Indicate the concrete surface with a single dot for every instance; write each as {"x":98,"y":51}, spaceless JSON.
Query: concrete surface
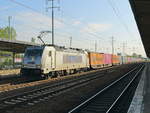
{"x":137,"y":102}
{"x":141,"y":99}
{"x":146,"y":101}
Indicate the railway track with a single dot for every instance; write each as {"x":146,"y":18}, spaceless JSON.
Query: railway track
{"x":44,"y":93}
{"x":18,"y":82}
{"x":110,"y":99}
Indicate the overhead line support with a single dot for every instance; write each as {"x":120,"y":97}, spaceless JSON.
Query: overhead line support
{"x":52,"y":9}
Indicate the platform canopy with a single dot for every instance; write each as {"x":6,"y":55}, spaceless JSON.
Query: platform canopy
{"x":141,"y":10}
{"x":15,"y":45}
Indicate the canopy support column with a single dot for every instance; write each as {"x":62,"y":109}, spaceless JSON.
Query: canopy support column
{"x":13,"y":59}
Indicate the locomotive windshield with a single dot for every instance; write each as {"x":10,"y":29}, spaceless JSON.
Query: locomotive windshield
{"x":33,"y":55}
{"x":34,"y":52}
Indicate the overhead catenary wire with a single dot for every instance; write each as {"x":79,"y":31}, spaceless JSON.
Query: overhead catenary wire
{"x":93,"y":33}
{"x":28,"y":7}
{"x":116,"y":12}
{"x":118,"y":15}
{"x":126,"y":24}
{"x":23,"y":5}
{"x":87,"y":33}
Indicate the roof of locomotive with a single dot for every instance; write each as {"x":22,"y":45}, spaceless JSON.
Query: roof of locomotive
{"x":63,"y":48}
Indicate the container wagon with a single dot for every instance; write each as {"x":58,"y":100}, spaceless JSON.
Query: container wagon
{"x":115,"y":60}
{"x":107,"y":60}
{"x":96,"y":60}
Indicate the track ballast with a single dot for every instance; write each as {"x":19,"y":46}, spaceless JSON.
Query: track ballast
{"x":109,"y":99}
{"x":42,"y":94}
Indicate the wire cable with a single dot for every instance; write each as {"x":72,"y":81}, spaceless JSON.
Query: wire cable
{"x":23,"y":5}
{"x":119,"y":17}
{"x":28,"y":7}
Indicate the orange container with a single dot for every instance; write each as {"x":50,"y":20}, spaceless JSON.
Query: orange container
{"x":96,"y":60}
{"x":115,"y":59}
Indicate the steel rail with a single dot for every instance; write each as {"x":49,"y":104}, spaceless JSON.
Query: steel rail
{"x":82,"y":105}
{"x":124,"y":90}
{"x":30,"y":96}
{"x":8,"y":86}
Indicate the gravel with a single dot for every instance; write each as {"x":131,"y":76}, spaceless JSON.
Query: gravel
{"x":68,"y":100}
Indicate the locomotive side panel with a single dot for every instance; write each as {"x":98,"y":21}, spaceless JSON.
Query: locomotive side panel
{"x":58,"y":60}
{"x":48,"y":60}
{"x":69,"y":60}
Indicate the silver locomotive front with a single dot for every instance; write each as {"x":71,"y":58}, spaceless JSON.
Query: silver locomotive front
{"x":31,"y":64}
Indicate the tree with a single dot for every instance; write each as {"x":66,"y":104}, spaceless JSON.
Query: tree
{"x":4,"y":33}
{"x":140,"y":56}
{"x":9,"y":34}
{"x":136,"y":55}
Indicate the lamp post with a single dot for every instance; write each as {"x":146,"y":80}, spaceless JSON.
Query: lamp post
{"x":9,"y":29}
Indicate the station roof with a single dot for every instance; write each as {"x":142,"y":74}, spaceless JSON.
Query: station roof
{"x":15,"y":45}
{"x":141,"y":10}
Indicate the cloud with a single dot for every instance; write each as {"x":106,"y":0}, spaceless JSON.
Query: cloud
{"x":96,"y":27}
{"x":29,"y":24}
{"x":2,"y":8}
{"x":36,"y":20}
{"x":75,"y":23}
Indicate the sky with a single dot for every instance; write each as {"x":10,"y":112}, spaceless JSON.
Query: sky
{"x":88,"y":22}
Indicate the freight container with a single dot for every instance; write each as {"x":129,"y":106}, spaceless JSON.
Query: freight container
{"x":96,"y":60}
{"x":129,"y":59}
{"x":107,"y":59}
{"x":124,"y":59}
{"x":115,"y":60}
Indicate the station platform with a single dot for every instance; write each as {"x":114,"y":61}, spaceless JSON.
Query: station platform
{"x":141,"y":99}
{"x":9,"y":73}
